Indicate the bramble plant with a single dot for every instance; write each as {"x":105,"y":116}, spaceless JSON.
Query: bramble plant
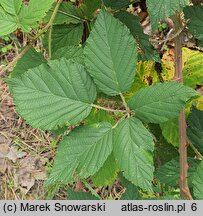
{"x":92,"y":91}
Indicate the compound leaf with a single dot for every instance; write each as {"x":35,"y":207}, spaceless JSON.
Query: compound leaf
{"x":161,"y":102}
{"x":194,"y":14}
{"x":82,"y":153}
{"x":29,"y":60}
{"x":47,"y":96}
{"x":111,"y":55}
{"x":161,"y":9}
{"x":133,"y":146}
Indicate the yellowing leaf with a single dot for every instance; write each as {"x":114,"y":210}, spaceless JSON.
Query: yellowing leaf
{"x":200,"y":103}
{"x":146,"y":75}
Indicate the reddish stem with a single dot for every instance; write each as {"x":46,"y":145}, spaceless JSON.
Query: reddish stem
{"x":183,"y":181}
{"x":79,"y":185}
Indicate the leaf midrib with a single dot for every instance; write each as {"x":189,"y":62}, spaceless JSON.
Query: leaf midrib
{"x":59,"y":96}
{"x":110,"y":51}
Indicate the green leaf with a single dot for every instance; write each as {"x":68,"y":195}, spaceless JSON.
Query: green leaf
{"x":161,"y":102}
{"x":82,"y":153}
{"x":72,"y":195}
{"x":168,"y":197}
{"x":169,"y":173}
{"x":195,"y":24}
{"x":131,"y":191}
{"x":116,"y":4}
{"x":107,"y":174}
{"x":23,"y":17}
{"x":164,"y":151}
{"x":89,"y":7}
{"x":66,"y":14}
{"x":64,"y":35}
{"x":147,"y":51}
{"x":99,"y":116}
{"x":29,"y":60}
{"x":195,"y":119}
{"x":160,"y":9}
{"x":70,"y":52}
{"x":111,"y":55}
{"x":34,"y":12}
{"x":11,"y":6}
{"x":133,"y":147}
{"x":192,"y":71}
{"x":195,"y":128}
{"x":170,"y":131}
{"x":47,"y":96}
{"x":7,"y":23}
{"x":198,"y":182}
